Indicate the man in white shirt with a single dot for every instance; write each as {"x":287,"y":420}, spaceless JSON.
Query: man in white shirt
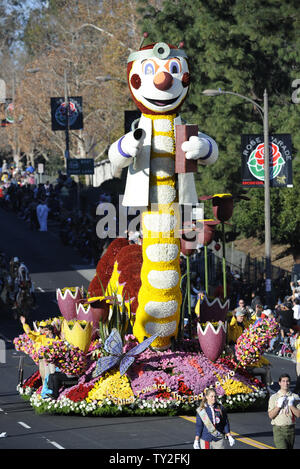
{"x":296,"y":309}
{"x":283,"y":410}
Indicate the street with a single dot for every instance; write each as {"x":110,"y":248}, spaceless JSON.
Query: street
{"x":53,"y":265}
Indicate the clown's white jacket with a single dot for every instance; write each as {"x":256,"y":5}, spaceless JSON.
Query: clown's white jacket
{"x":137,"y":183}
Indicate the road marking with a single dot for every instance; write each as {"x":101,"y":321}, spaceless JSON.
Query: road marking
{"x":39,"y":288}
{"x":55,"y":444}
{"x":24,"y":425}
{"x":245,"y":440}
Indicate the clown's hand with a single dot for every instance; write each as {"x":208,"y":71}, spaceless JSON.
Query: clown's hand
{"x":131,"y":144}
{"x":200,"y":148}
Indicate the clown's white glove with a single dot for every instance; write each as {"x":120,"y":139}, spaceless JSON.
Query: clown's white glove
{"x":200,"y":148}
{"x":231,"y":440}
{"x":195,"y":147}
{"x":196,"y":444}
{"x":130,"y":145}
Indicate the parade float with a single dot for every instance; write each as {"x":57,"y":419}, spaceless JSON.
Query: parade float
{"x":131,"y":341}
{"x":115,"y":374}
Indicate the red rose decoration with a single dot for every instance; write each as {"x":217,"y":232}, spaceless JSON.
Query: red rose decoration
{"x":259,"y":154}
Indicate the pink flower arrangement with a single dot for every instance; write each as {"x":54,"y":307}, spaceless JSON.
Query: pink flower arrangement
{"x":69,"y":359}
{"x":188,"y":373}
{"x":255,"y":340}
{"x":22,"y":343}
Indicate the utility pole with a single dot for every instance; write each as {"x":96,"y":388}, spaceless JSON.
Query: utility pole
{"x":264,"y":113}
{"x":268,"y":267}
{"x":16,"y":151}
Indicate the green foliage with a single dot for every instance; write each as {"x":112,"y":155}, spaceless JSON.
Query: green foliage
{"x":244,"y":47}
{"x":118,"y":318}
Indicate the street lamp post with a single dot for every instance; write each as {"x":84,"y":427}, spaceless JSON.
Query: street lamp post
{"x":67,"y":151}
{"x":264,"y":113}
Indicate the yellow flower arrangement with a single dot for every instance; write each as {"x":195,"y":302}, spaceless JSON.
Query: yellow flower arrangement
{"x":159,"y":297}
{"x":232,"y":386}
{"x":112,"y":386}
{"x":160,"y":277}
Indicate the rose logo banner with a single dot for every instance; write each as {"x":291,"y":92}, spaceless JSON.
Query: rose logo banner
{"x":59,"y":113}
{"x":280,"y":160}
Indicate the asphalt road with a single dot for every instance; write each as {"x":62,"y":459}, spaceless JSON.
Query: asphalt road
{"x":52,"y":266}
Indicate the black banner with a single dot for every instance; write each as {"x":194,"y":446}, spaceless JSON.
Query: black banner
{"x":280,"y":160}
{"x":59,"y":113}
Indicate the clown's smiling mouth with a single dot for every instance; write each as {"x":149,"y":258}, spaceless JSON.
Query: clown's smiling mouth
{"x":160,"y":102}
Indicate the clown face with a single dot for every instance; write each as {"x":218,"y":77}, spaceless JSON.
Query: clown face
{"x":158,"y":81}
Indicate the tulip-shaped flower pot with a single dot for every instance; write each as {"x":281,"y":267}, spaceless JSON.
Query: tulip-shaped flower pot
{"x":212,"y":339}
{"x":78,"y":333}
{"x":188,"y":241}
{"x":93,"y":312}
{"x":67,"y":299}
{"x":84,"y":312}
{"x":100,"y":310}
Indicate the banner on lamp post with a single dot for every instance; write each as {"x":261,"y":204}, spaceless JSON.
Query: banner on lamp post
{"x":80,"y":166}
{"x":280,"y":160}
{"x":59,"y":113}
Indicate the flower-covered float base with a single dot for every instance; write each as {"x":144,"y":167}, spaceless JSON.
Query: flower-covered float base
{"x":168,"y":383}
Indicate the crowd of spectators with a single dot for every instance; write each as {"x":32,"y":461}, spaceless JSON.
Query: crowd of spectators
{"x":69,"y":212}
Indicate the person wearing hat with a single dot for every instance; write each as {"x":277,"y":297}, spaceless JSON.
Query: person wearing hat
{"x":266,"y":312}
{"x":237,"y":325}
{"x":45,"y":336}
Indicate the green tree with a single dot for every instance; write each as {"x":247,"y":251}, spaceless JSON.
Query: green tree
{"x":244,"y":47}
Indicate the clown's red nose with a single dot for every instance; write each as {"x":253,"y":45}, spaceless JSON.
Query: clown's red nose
{"x":163,"y":81}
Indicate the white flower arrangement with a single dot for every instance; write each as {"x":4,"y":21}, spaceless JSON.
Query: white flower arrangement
{"x":163,"y":194}
{"x":163,"y":279}
{"x":162,"y":252}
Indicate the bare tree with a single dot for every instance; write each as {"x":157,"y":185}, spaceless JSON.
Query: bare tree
{"x":93,"y":57}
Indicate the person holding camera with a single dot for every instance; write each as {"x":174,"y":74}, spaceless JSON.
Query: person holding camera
{"x":283,"y":410}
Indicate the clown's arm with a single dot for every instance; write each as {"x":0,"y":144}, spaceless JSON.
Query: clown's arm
{"x":122,"y":152}
{"x":202,"y":148}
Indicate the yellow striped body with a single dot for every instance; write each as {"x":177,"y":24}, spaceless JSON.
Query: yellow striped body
{"x":160,"y":296}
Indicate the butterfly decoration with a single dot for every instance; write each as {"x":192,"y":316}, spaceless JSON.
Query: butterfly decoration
{"x":114,"y":346}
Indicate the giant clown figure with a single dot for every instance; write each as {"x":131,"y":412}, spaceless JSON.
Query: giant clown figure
{"x":158,"y":79}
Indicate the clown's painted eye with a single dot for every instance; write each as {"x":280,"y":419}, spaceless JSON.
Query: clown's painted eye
{"x":148,"y":68}
{"x":174,"y":66}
